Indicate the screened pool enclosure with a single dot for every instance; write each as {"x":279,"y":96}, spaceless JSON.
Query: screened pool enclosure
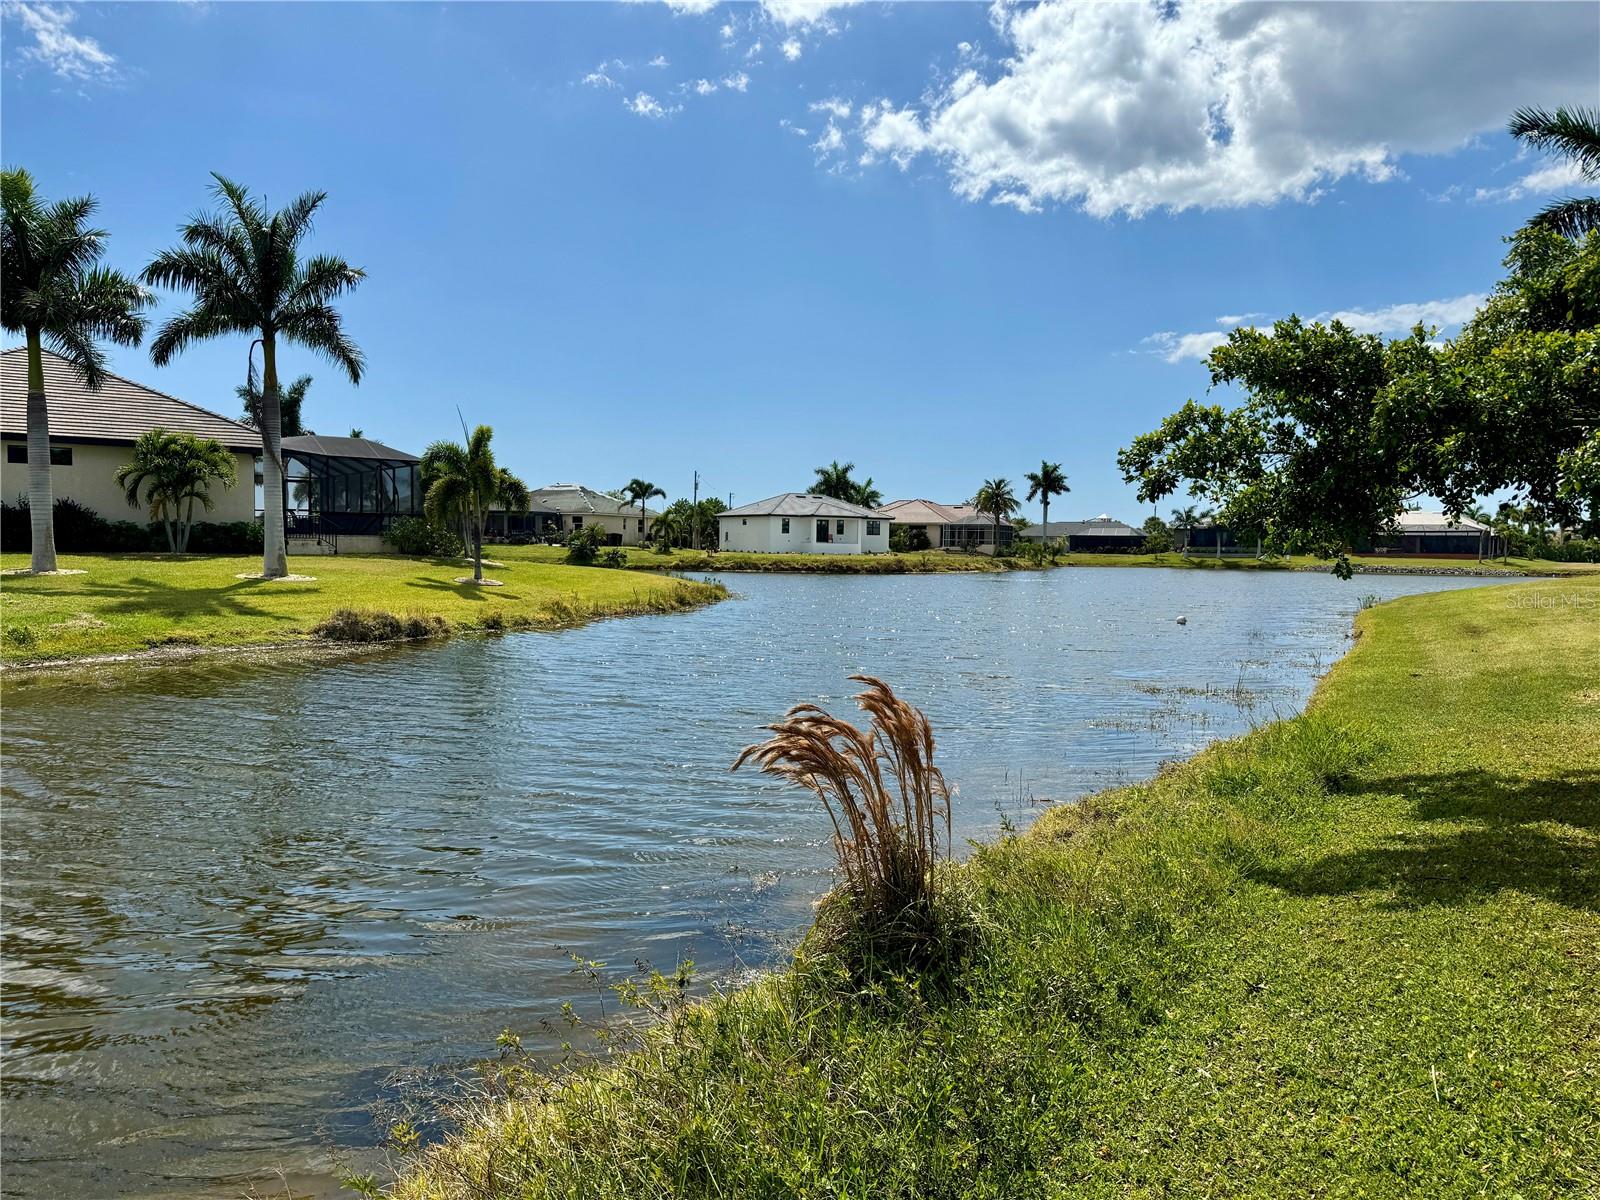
{"x":343,"y":485}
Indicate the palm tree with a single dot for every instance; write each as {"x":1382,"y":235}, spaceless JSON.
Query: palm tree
{"x":638,"y":491}
{"x":53,"y":292}
{"x":244,"y":268}
{"x":1186,"y":518}
{"x":1044,"y":483}
{"x":173,"y":470}
{"x":291,"y":401}
{"x":466,"y":482}
{"x":1573,"y":133}
{"x":834,"y":480}
{"x":866,"y":495}
{"x":997,"y":499}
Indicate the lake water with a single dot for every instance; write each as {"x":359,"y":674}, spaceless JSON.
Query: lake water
{"x":247,"y":906}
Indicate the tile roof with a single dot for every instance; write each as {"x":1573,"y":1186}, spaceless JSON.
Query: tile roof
{"x":119,"y":412}
{"x":803,"y":504}
{"x":575,"y":498}
{"x":930,"y":512}
{"x":1437,"y":522}
{"x":1098,"y":527}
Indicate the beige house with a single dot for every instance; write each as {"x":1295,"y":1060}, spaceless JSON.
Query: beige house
{"x":92,"y":434}
{"x":800,"y":523}
{"x":569,"y":507}
{"x":949,"y":526}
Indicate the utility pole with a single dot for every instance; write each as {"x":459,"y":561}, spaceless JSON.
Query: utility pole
{"x":694,"y":512}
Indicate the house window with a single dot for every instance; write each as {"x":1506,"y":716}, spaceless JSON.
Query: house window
{"x":872,"y":528}
{"x":724,"y":535}
{"x":577,"y":522}
{"x":60,"y":456}
{"x":786,"y":524}
{"x":641,"y":524}
{"x":744,"y":520}
{"x":839,"y":528}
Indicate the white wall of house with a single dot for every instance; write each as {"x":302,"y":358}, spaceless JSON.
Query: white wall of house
{"x":767,"y":535}
{"x":91,"y":481}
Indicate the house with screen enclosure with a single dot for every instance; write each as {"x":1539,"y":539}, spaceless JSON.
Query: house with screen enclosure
{"x":1102,"y":533}
{"x":949,"y":526}
{"x":800,"y":523}
{"x":92,"y":433}
{"x":565,"y":508}
{"x":341,"y":494}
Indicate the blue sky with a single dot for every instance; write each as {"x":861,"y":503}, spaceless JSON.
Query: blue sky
{"x":940,"y":241}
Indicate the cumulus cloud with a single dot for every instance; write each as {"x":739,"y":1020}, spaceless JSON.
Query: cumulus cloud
{"x":834,"y":106}
{"x":1125,"y":108}
{"x":690,"y":7}
{"x":646,"y":105}
{"x":738,"y":81}
{"x":802,"y":14}
{"x":1553,"y":177}
{"x":1393,"y":321}
{"x":659,"y":60}
{"x":67,"y":54}
{"x":703,"y":87}
{"x":791,"y":49}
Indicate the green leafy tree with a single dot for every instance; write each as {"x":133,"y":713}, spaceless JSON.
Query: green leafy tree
{"x":243,"y":266}
{"x":290,"y":403}
{"x":835,"y":480}
{"x":465,"y":482}
{"x":640,"y":491}
{"x":908,"y":538}
{"x":54,"y":292}
{"x":997,"y":499}
{"x":1045,"y":484}
{"x":168,"y":473}
{"x":1157,"y":536}
{"x":1573,"y":133}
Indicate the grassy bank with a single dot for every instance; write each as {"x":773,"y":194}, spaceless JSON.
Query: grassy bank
{"x":131,"y":603}
{"x":932,"y":562}
{"x":1353,"y":954}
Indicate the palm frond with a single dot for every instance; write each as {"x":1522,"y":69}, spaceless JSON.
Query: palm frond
{"x":1572,"y":217}
{"x":1573,"y":133}
{"x":320,"y":328}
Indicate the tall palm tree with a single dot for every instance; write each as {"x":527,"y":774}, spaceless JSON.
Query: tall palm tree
{"x":466,"y":483}
{"x":834,"y":480}
{"x":53,"y":292}
{"x":866,"y":495}
{"x":996,"y":499}
{"x":1186,"y":518}
{"x":1044,"y":483}
{"x":1573,"y":133}
{"x":243,"y":265}
{"x":290,"y":403}
{"x":639,"y":491}
{"x":173,"y":470}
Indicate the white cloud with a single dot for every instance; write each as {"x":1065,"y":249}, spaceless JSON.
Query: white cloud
{"x":831,"y":141}
{"x":834,"y":106}
{"x":690,"y":7}
{"x":738,"y":81}
{"x":599,"y":78}
{"x":68,"y":54}
{"x":1125,"y":108}
{"x":1392,"y":321}
{"x":791,"y":49}
{"x":646,"y":105}
{"x":726,"y":32}
{"x":1553,"y":177}
{"x":802,"y":14}
{"x":755,"y":49}
{"x":659,"y":60}
{"x":703,"y":87}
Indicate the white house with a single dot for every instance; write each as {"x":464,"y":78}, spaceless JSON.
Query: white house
{"x":92,"y":434}
{"x":798,"y":523}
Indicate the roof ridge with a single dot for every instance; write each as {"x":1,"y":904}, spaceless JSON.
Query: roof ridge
{"x":145,"y":387}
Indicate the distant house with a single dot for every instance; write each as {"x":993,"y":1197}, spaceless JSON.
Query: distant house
{"x":1097,"y":533}
{"x":1435,"y":534}
{"x":341,"y":494}
{"x":798,"y":523}
{"x":92,"y":434}
{"x":949,"y":526}
{"x":567,"y":507}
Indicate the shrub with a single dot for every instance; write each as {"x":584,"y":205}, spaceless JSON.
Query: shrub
{"x":890,"y":808}
{"x":612,"y":556}
{"x":909,"y":538}
{"x":584,"y":545}
{"x":224,"y":537}
{"x":420,"y":536}
{"x":354,"y":625}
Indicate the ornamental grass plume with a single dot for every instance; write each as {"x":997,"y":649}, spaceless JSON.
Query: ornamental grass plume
{"x":890,"y":806}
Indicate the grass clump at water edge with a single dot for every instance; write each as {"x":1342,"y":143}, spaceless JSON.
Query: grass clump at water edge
{"x":1314,"y":960}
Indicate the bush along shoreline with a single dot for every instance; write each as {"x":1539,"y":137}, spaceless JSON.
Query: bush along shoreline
{"x":1353,"y":953}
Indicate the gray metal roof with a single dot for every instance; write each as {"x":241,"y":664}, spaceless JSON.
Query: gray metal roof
{"x":574,"y":498}
{"x":803,"y":504}
{"x":119,"y":412}
{"x":1097,"y":528}
{"x":1437,"y":522}
{"x":346,"y":447}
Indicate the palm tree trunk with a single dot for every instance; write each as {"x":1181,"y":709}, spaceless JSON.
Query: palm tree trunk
{"x":41,"y":500}
{"x":172,"y":541}
{"x":1044,"y":534}
{"x":477,"y":543}
{"x":184,"y":527}
{"x":274,"y":555}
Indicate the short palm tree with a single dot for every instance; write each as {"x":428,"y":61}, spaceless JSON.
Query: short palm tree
{"x":244,"y":268}
{"x":1044,"y":483}
{"x":290,"y":403}
{"x":53,"y":292}
{"x":834,"y":480}
{"x":1186,"y":518}
{"x":1575,"y":134}
{"x":997,"y":499}
{"x":172,"y":471}
{"x":466,"y":483}
{"x":866,"y":495}
{"x":639,"y":491}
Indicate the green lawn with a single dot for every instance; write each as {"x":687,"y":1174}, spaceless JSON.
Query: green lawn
{"x":138,"y":602}
{"x":935,"y":561}
{"x":1355,"y":954}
